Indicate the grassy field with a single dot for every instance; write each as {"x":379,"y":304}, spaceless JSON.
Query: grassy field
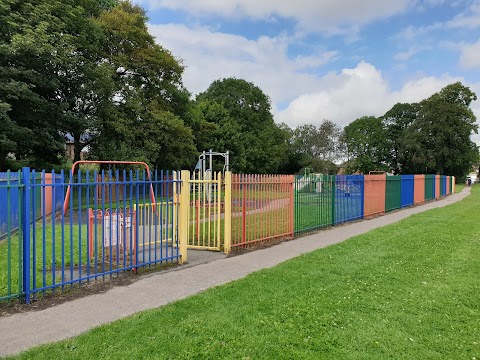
{"x":405,"y":291}
{"x":44,"y":255}
{"x":46,"y":250}
{"x":459,"y":187}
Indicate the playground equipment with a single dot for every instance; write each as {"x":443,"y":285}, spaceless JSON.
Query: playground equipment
{"x":119,"y":231}
{"x":309,"y":182}
{"x":202,"y":161}
{"x":110,"y":162}
{"x":204,"y":173}
{"x":113,"y":228}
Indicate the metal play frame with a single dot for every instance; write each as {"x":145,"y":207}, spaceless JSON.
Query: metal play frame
{"x":202,"y":161}
{"x":113,"y":162}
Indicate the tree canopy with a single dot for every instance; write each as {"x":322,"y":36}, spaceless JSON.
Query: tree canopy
{"x":244,"y":112}
{"x":366,"y":143}
{"x":89,"y":72}
{"x":432,"y":136}
{"x":439,"y":138}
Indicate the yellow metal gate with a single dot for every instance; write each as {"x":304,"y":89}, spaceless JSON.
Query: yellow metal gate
{"x":206,"y":228}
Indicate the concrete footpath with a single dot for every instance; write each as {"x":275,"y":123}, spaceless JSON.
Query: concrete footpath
{"x":21,"y":331}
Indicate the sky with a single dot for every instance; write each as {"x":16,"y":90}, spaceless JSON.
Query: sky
{"x":324,"y":59}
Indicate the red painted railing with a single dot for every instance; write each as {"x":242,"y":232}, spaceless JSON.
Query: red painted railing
{"x":262,"y":208}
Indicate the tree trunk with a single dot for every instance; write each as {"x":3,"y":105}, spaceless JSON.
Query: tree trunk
{"x":77,"y":148}
{"x":3,"y":160}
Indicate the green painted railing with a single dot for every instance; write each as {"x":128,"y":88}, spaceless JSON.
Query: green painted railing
{"x":393,"y":195}
{"x":429,"y":187}
{"x":314,"y":202}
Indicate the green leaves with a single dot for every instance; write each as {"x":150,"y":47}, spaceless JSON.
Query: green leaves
{"x":245,"y":126}
{"x":78,"y":69}
{"x":366,"y":142}
{"x":432,"y":136}
{"x":439,"y":138}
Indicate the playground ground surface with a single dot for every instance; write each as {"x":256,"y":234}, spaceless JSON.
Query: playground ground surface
{"x":24,"y":330}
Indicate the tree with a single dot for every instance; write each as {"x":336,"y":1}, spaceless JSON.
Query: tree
{"x":318,"y":145}
{"x":51,"y":75}
{"x":159,"y":138}
{"x":396,"y":121}
{"x":7,"y":129}
{"x":439,"y":139}
{"x":34,"y":38}
{"x":148,"y":98}
{"x":142,"y":121}
{"x":67,"y":66}
{"x":143,"y":69}
{"x":214,"y":128}
{"x":264,"y":143}
{"x":366,"y":142}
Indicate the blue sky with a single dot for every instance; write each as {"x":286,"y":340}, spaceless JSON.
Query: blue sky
{"x":324,"y":59}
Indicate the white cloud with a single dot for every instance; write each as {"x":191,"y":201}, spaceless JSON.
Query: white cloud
{"x":209,"y":56}
{"x":470,"y":55}
{"x":309,"y":98}
{"x":313,"y":15}
{"x":361,"y":91}
{"x":309,"y":62}
{"x":466,"y":19}
{"x":469,"y":19}
{"x":405,"y":55}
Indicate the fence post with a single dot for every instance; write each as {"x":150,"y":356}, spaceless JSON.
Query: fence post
{"x":362,"y":196}
{"x":183,"y":216}
{"x":334,"y":179}
{"x":227,"y":243}
{"x":244,"y":209}
{"x":26,"y":232}
{"x":292,"y":204}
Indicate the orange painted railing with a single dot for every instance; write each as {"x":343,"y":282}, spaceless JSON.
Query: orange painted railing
{"x":375,"y":188}
{"x":262,"y":208}
{"x":419,"y":189}
{"x":437,"y":186}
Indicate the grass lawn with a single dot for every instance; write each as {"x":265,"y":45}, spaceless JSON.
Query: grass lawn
{"x":47,"y":255}
{"x":405,"y":291}
{"x":459,"y":187}
{"x":44,"y":256}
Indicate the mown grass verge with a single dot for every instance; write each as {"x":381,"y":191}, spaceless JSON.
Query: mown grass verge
{"x":405,"y":291}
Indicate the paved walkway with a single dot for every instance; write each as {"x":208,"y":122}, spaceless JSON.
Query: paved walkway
{"x":22,"y":331}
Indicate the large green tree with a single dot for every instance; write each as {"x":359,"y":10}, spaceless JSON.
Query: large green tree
{"x":397,"y":120}
{"x":260,"y":144}
{"x":316,"y":147}
{"x":143,"y":121}
{"x":366,"y":143}
{"x":71,"y":69}
{"x":439,"y":139}
{"x":214,"y":128}
{"x":31,"y":49}
{"x":51,"y":75}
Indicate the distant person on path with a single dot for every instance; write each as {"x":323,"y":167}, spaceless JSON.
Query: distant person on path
{"x":469,"y":182}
